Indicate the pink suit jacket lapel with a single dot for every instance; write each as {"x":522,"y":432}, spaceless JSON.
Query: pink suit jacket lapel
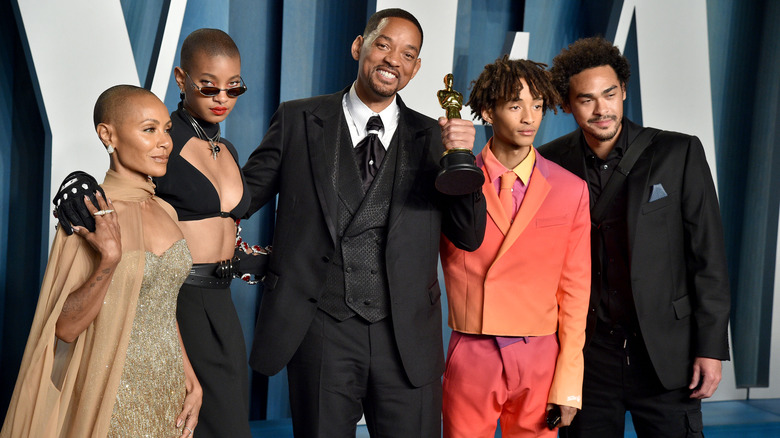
{"x":538,"y":187}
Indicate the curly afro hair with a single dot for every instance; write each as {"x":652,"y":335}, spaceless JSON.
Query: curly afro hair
{"x":500,"y":82}
{"x":584,"y":54}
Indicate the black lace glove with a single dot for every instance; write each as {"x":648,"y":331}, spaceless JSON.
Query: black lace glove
{"x":69,"y":206}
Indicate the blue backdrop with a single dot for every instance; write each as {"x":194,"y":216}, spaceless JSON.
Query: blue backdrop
{"x":298,"y":48}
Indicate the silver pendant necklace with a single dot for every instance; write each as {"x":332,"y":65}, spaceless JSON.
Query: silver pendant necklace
{"x":213,"y":141}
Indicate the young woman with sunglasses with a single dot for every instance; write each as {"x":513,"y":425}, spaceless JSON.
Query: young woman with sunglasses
{"x":205,"y":186}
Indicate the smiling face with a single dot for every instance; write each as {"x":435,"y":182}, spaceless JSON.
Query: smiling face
{"x":515,"y":122}
{"x":209,"y":71}
{"x":596,"y":101}
{"x":140,"y":137}
{"x":387,"y":61}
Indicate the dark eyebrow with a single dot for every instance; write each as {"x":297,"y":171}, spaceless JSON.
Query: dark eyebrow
{"x":590,"y":95}
{"x":212,"y":77}
{"x":408,"y":46}
{"x":609,"y":90}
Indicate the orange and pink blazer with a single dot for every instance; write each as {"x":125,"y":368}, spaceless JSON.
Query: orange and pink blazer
{"x":530,"y":277}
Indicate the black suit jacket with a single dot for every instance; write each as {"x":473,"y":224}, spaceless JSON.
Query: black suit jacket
{"x":297,"y":160}
{"x":678,"y":265}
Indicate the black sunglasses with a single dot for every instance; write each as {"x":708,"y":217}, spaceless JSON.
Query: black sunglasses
{"x":213,"y":91}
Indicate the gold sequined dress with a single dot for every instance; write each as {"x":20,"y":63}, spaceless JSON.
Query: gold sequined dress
{"x":151,"y":391}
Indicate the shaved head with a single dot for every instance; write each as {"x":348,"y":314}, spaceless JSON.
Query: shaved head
{"x":210,"y":42}
{"x":112,"y":104}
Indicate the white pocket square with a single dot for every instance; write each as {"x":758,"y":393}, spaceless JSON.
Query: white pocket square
{"x":657,"y":192}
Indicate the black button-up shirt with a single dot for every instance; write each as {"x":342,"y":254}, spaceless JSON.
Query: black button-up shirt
{"x":611,"y":258}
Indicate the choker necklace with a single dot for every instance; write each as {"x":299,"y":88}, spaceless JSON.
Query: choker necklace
{"x":213,"y":146}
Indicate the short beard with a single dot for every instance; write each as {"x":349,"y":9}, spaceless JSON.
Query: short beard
{"x":606,"y":136}
{"x":381,"y":91}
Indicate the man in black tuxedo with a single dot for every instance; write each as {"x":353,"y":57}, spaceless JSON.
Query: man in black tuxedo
{"x":351,"y":302}
{"x":659,"y":309}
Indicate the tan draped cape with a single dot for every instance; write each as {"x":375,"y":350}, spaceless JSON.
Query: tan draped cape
{"x":69,"y":390}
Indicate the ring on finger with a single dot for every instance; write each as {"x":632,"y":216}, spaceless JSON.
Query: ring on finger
{"x":191,"y":431}
{"x":102,"y":212}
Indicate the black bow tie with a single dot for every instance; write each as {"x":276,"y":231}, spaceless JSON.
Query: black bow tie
{"x":370,"y":151}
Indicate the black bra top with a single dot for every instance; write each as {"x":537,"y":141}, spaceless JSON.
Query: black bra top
{"x":183,"y":186}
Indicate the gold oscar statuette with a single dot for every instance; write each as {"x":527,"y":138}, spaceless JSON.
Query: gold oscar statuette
{"x":459,"y":174}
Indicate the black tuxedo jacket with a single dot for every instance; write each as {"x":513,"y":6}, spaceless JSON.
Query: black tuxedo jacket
{"x":298,"y":160}
{"x":678,"y":266}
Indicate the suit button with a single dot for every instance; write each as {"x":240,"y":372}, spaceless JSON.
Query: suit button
{"x":367,"y":302}
{"x":346,"y":239}
{"x":373,"y":271}
{"x":325,"y":259}
{"x":348,"y":269}
{"x":349,"y":299}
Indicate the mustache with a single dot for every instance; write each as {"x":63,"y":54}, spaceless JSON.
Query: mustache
{"x":601,"y":119}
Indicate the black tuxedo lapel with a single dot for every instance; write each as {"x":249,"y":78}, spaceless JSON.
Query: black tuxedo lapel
{"x":413,"y":146}
{"x":572,"y":158}
{"x":347,"y":181}
{"x":323,"y":132}
{"x":637,"y":181}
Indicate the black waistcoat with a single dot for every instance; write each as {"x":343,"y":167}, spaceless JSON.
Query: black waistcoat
{"x":356,"y":282}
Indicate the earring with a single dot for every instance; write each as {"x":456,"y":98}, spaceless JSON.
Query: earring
{"x":110,"y":149}
{"x":181,"y":94}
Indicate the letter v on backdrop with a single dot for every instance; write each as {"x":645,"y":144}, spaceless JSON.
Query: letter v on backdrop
{"x":75,"y":50}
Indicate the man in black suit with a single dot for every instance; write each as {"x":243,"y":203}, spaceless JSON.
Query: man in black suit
{"x":351,"y":302}
{"x":659,"y":309}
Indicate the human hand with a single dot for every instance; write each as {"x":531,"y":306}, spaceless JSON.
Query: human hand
{"x":252,"y":260}
{"x":107,"y":238}
{"x":457,"y":133}
{"x":69,"y":206}
{"x":188,"y":418}
{"x":706,"y":377}
{"x":567,"y":414}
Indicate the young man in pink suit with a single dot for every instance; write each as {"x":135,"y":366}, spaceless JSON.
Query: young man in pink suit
{"x":518,"y":304}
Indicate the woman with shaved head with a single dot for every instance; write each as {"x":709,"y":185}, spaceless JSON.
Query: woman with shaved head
{"x":206,"y":188}
{"x":104,"y":357}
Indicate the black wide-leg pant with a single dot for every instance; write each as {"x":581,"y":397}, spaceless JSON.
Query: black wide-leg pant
{"x":212,"y":336}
